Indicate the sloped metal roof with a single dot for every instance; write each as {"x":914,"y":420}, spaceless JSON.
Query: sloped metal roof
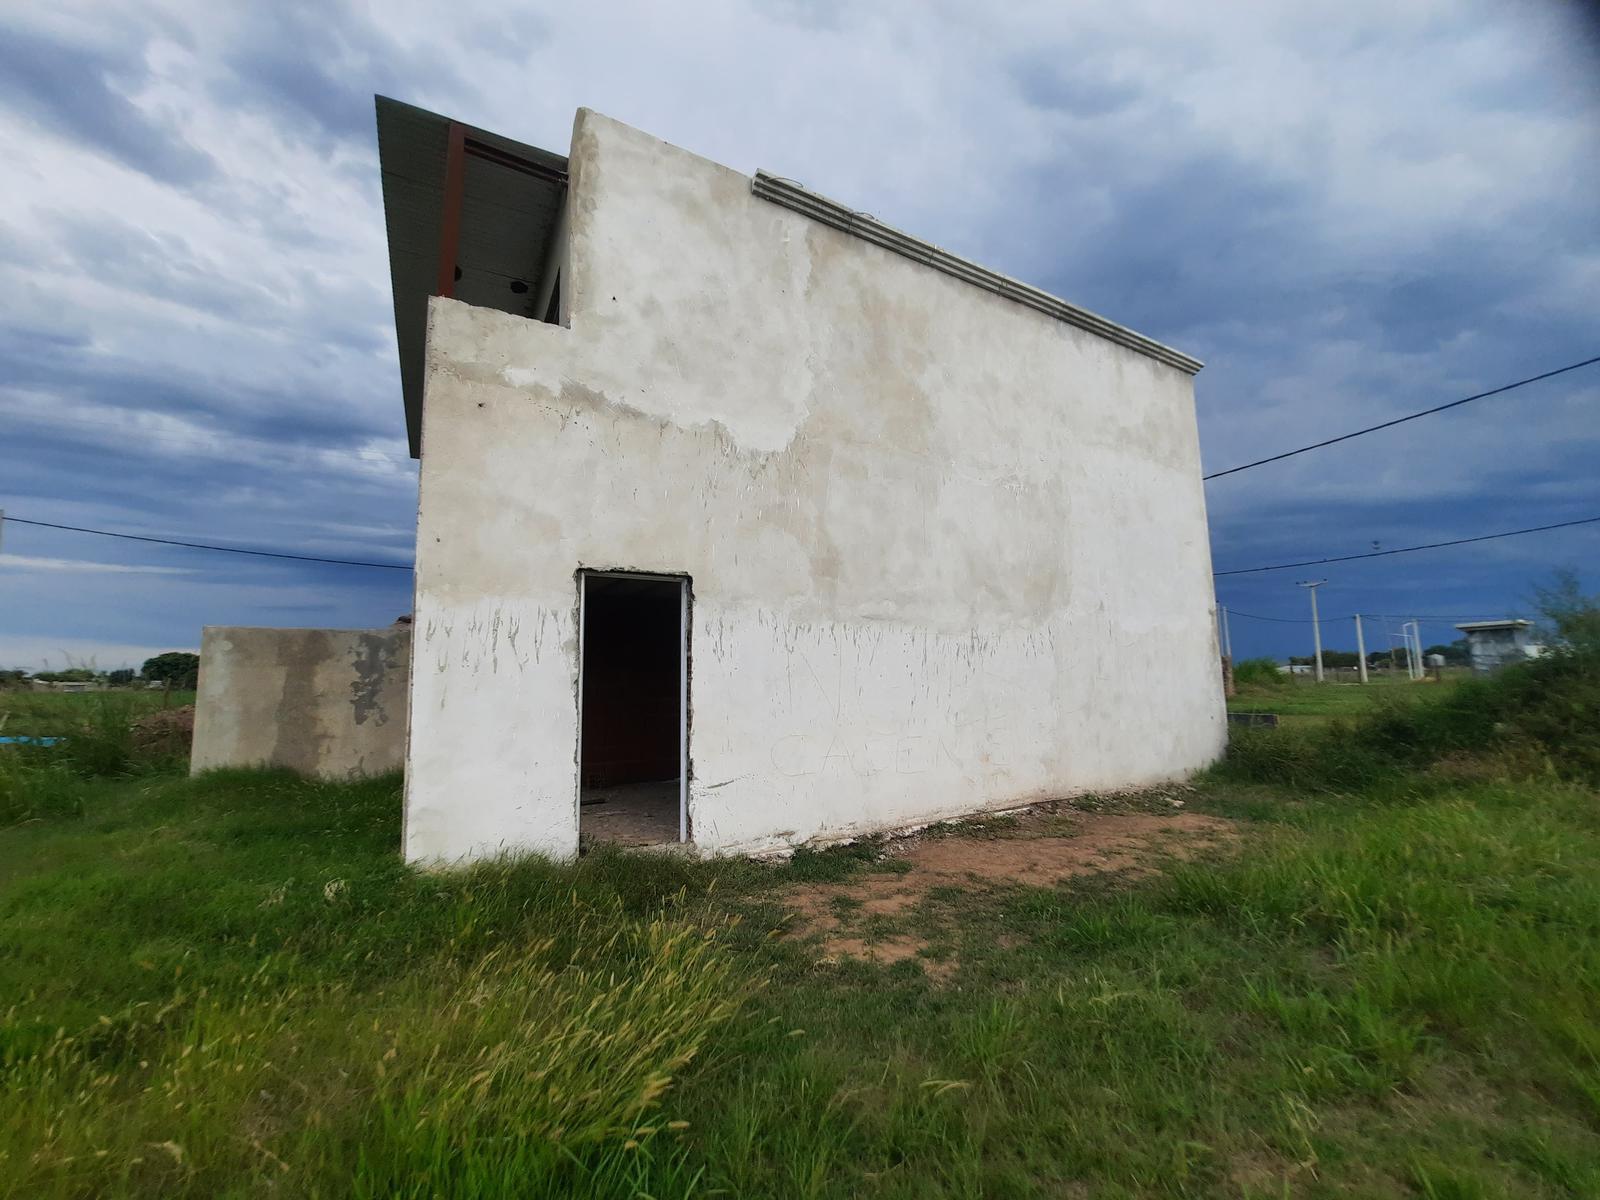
{"x":503,"y":224}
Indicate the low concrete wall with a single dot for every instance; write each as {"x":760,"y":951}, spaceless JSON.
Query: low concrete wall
{"x":329,"y":703}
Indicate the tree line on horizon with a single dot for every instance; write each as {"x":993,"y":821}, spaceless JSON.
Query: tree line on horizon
{"x":1454,"y":655}
{"x":177,"y":669}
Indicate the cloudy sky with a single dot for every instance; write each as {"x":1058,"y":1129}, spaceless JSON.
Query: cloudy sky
{"x":1349,"y":211}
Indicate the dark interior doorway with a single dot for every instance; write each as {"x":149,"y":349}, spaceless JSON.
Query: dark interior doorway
{"x":631,"y":755}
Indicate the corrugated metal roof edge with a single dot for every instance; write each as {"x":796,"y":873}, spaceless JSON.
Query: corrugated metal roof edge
{"x":830,"y":212}
{"x":390,"y":115}
{"x":537,"y":154}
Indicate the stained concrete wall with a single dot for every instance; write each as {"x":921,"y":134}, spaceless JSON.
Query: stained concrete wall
{"x":948,"y":552}
{"x":1491,"y":649}
{"x":329,"y":703}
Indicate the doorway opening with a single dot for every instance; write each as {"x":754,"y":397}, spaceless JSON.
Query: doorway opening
{"x":633,"y":701}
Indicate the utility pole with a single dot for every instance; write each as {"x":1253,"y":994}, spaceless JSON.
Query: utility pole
{"x":1361,"y":650}
{"x":1227,"y":653}
{"x":1311,"y":585}
{"x":1413,"y":657}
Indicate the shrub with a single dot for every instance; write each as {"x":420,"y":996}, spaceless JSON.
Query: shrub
{"x":1540,"y":715}
{"x":102,"y":742}
{"x":1258,"y":672}
{"x":1334,"y":758}
{"x":1551,"y":707}
{"x":1572,"y":620}
{"x":1545,"y":712}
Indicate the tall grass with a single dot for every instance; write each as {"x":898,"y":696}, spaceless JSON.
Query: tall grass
{"x":54,"y":712}
{"x":543,"y":1066}
{"x":32,"y":786}
{"x":100,"y":741}
{"x":1260,"y":673}
{"x":96,"y":740}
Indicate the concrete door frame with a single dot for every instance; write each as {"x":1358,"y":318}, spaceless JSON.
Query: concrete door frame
{"x":685,"y":595}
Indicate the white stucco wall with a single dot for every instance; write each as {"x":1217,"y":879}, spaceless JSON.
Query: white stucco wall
{"x":948,"y":552}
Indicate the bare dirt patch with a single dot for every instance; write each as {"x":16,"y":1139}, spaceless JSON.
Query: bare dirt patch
{"x":1040,"y":847}
{"x":165,"y":731}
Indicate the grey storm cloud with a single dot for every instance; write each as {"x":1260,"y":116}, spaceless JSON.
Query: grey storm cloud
{"x":319,"y":64}
{"x":1203,"y":241}
{"x":68,"y":367}
{"x":82,"y":94}
{"x":1043,"y":82}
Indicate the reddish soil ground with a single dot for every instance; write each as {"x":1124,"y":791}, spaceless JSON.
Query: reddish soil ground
{"x":1040,"y":847}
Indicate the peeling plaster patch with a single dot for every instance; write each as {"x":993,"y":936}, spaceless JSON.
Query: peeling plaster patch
{"x":373,"y":657}
{"x":523,"y":377}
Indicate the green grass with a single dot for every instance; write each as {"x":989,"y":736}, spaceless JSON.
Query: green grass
{"x":1309,"y":703}
{"x":230,"y":986}
{"x":47,"y":713}
{"x":1532,"y":719}
{"x":99,"y":742}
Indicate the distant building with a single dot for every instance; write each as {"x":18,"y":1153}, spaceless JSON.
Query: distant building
{"x":1493,"y":644}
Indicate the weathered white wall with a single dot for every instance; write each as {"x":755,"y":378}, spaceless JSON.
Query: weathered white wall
{"x":1491,"y":649}
{"x":329,"y":703}
{"x":947,"y":552}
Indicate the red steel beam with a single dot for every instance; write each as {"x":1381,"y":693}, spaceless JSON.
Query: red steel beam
{"x":455,"y":174}
{"x":514,"y":162}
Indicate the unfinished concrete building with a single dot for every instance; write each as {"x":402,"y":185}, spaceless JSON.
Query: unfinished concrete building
{"x":1495,"y":644}
{"x":747,"y":520}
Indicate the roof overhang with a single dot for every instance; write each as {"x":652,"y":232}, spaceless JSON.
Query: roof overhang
{"x":1479,"y":626}
{"x":469,"y":214}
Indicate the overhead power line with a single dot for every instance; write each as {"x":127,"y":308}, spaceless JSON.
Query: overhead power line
{"x":137,"y":537}
{"x":392,"y":566}
{"x":1345,"y":437}
{"x":1234,"y":612}
{"x":1485,"y":537}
